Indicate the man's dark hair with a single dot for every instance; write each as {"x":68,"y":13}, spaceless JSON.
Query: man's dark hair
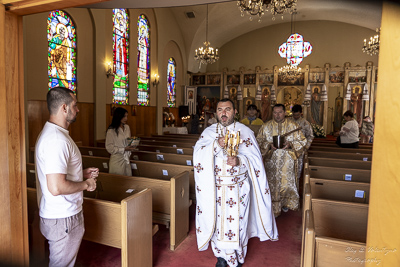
{"x":118,"y":114}
{"x":252,"y":106}
{"x":279,"y":105}
{"x":348,"y":114}
{"x":58,"y":96}
{"x":297,"y":108}
{"x":227,"y":100}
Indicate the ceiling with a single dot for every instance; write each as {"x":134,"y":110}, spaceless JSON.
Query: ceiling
{"x":225,"y":22}
{"x":226,"y":15}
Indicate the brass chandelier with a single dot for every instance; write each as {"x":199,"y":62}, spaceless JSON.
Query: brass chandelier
{"x":259,"y":7}
{"x":372,"y":48}
{"x":289,"y":71}
{"x":207,"y":54}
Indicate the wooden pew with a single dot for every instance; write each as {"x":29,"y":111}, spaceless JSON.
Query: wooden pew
{"x":156,"y":148}
{"x":339,"y":155}
{"x":177,"y":143}
{"x":318,"y":142}
{"x":331,"y":173}
{"x":193,"y":136}
{"x":175,"y":140}
{"x":327,"y":208}
{"x":166,"y":149}
{"x":306,"y":207}
{"x":308,"y":241}
{"x":340,"y":230}
{"x":94,"y":151}
{"x":340,"y":149}
{"x":122,"y":223}
{"x":170,"y":200}
{"x":340,"y":163}
{"x":168,"y":158}
{"x":146,"y":169}
{"x":337,"y":190}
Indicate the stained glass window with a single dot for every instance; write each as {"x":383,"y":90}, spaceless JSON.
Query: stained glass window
{"x":120,"y":56}
{"x":171,"y":77}
{"x":295,"y":49}
{"x":143,"y":61}
{"x":61,"y":37}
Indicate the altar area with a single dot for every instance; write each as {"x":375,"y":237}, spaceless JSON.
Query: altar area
{"x":325,"y":93}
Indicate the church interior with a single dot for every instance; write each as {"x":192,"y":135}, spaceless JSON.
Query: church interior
{"x":147,"y":57}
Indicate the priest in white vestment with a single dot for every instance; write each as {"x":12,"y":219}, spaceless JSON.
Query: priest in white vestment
{"x":232,"y":192}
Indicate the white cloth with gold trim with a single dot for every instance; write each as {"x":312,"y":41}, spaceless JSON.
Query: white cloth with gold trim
{"x":227,"y":197}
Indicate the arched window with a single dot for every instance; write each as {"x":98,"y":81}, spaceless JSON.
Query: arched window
{"x":61,"y":37}
{"x":120,"y":56}
{"x":143,"y":61}
{"x":171,"y":84}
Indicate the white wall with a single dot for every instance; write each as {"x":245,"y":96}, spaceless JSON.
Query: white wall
{"x":333,"y":42}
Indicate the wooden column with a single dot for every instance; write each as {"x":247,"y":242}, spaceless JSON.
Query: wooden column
{"x":383,"y":242}
{"x":14,"y":249}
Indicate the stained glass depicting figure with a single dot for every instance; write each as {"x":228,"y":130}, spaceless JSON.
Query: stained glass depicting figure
{"x":143,"y":61}
{"x":61,"y":37}
{"x":171,"y":77}
{"x":120,"y":56}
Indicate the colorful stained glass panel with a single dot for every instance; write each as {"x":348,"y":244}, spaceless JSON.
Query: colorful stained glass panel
{"x":171,"y":77}
{"x":120,"y":56}
{"x":143,"y":63}
{"x":61,"y":38}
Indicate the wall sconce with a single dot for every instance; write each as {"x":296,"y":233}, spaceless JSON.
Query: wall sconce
{"x":109,"y":69}
{"x":156,"y":80}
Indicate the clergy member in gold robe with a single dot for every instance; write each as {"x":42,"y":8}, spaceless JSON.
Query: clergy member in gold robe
{"x":281,"y":163}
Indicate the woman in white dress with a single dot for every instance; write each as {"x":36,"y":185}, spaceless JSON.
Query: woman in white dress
{"x":117,"y":143}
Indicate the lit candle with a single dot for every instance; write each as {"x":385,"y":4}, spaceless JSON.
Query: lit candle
{"x":196,"y":52}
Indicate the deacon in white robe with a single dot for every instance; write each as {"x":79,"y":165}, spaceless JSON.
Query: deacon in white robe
{"x":232,"y":193}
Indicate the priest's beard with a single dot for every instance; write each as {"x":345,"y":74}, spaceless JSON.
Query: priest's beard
{"x":228,"y":122}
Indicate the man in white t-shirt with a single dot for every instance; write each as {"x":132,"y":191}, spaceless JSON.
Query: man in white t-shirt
{"x":60,"y":176}
{"x":348,"y":135}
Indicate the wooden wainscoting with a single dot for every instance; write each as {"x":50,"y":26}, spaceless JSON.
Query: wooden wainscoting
{"x":81,"y":130}
{"x":141,"y":120}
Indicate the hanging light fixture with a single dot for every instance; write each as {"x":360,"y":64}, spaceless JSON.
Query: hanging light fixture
{"x":207,"y":54}
{"x":258,"y":8}
{"x":372,"y":48}
{"x":295,"y":49}
{"x":289,"y":71}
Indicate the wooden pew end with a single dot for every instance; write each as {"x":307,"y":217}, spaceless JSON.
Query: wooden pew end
{"x":155,"y":229}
